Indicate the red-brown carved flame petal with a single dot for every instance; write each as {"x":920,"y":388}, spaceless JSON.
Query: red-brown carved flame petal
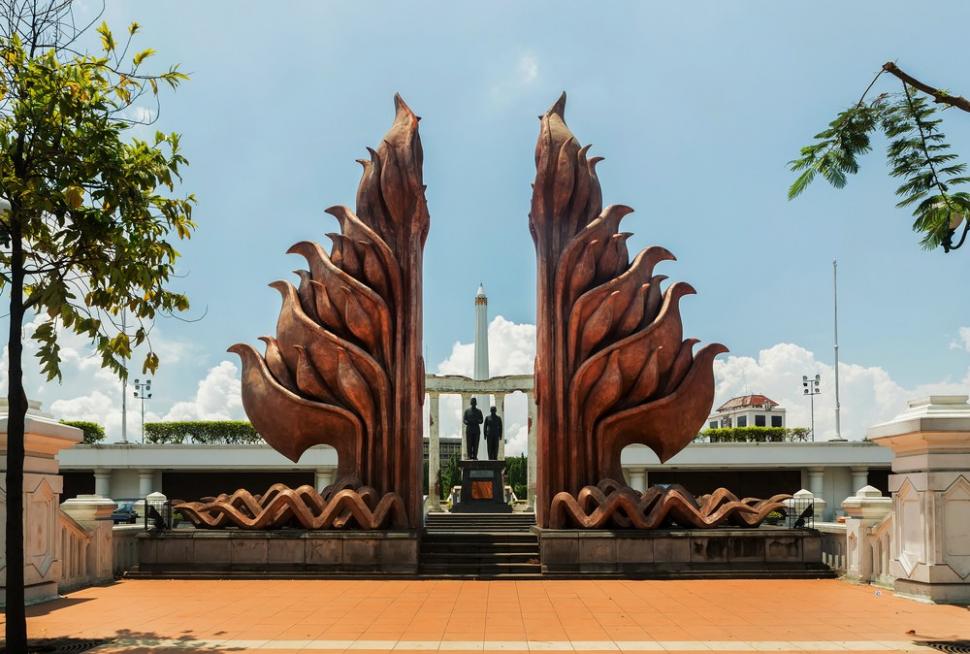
{"x":290,"y":423}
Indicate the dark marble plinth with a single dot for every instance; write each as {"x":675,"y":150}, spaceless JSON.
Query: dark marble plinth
{"x":482,"y":488}
{"x":683,"y":553}
{"x":285,"y":553}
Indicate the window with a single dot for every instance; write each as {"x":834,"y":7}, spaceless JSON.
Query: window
{"x":712,"y":424}
{"x":742,"y":421}
{"x":776,"y":421}
{"x":759,"y":421}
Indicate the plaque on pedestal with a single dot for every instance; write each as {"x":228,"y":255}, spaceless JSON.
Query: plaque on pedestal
{"x":482,"y":488}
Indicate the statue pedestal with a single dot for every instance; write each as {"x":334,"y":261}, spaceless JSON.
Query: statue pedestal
{"x":482,"y":488}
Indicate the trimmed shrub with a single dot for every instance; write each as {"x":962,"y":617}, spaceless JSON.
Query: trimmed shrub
{"x":93,"y":432}
{"x":745,"y":434}
{"x":229,"y":432}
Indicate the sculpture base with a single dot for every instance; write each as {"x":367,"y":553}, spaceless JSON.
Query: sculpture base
{"x":482,"y":488}
{"x":683,"y":554}
{"x":284,"y":553}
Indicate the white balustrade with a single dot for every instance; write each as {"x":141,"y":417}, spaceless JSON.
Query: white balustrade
{"x":72,"y":550}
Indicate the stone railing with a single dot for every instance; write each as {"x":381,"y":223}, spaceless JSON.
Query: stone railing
{"x":833,"y":545}
{"x":869,"y":522}
{"x":880,"y":539}
{"x":72,"y":551}
{"x":124,"y":539}
{"x":85,"y":542}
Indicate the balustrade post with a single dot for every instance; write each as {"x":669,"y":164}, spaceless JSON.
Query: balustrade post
{"x":864,"y":510}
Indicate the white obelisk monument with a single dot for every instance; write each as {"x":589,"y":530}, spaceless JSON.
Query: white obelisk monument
{"x":481,"y":344}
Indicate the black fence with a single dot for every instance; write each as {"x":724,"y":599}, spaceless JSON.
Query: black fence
{"x":158,"y":515}
{"x":800,"y":513}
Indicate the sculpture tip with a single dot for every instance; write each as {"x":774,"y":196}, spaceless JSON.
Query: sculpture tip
{"x":559,"y":107}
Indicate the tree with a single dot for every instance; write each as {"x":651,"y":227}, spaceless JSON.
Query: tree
{"x":450,"y":476}
{"x":91,"y":214}
{"x":93,"y":432}
{"x":933,"y":181}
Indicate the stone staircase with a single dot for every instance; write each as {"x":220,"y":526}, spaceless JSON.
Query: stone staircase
{"x":480,"y":545}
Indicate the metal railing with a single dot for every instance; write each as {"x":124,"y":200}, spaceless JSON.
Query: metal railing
{"x":800,"y":513}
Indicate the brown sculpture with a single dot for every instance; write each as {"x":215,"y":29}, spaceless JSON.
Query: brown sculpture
{"x":611,"y":367}
{"x":610,"y":503}
{"x":336,"y":507}
{"x":345,"y":368}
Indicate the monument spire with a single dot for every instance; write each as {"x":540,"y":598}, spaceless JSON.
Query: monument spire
{"x":481,"y":334}
{"x":481,"y":344}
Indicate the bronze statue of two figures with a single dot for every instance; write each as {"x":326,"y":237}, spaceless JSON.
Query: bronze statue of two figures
{"x":472,"y":420}
{"x":345,"y":368}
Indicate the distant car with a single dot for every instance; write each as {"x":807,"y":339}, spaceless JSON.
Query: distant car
{"x":125,"y":514}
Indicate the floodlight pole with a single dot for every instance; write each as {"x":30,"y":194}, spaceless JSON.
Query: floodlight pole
{"x":835,"y":300}
{"x":124,"y":389}
{"x":810,"y":387}
{"x":143,"y":391}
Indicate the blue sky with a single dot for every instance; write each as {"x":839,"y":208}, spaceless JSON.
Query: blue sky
{"x":697,"y":107}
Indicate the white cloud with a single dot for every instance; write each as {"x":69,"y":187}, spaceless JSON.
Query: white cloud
{"x":515,"y":80}
{"x":528,"y":68}
{"x":962,"y":341}
{"x":216,"y":398}
{"x":141,"y":114}
{"x":868,"y":395}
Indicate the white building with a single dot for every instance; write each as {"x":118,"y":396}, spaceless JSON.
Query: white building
{"x":748,"y":411}
{"x":831,"y":470}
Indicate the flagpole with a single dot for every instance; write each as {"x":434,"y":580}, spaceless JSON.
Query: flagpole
{"x":835,"y":300}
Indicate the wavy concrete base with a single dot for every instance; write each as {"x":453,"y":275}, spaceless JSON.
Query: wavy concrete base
{"x":688,"y":553}
{"x":278,"y":553}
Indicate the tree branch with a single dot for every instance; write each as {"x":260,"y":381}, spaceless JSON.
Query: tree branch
{"x":939,"y":95}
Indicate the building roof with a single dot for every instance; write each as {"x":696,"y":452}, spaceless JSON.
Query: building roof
{"x":747,"y":400}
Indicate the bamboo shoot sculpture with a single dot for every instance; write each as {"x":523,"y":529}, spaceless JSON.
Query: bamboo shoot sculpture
{"x":612,"y":367}
{"x":345,"y":367}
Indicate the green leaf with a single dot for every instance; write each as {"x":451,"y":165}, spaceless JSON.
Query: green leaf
{"x":107,"y":40}
{"x":142,"y":56}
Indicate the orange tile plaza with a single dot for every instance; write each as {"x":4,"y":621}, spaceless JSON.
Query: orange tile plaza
{"x":508,"y":616}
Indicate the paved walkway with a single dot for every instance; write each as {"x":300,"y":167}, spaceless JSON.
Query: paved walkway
{"x":331,"y":616}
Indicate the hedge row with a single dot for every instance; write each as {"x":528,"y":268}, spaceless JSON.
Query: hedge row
{"x":229,"y":432}
{"x":93,"y":432}
{"x":755,"y":434}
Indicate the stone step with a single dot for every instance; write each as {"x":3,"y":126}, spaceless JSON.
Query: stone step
{"x":484,"y":569}
{"x":479,"y":535}
{"x":503,"y":548}
{"x":481,"y":557}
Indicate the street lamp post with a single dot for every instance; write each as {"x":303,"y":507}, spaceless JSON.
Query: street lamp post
{"x":143,"y":391}
{"x":810,"y":388}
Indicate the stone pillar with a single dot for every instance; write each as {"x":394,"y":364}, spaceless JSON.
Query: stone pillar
{"x":94,"y":514}
{"x":533,"y":453}
{"x":816,"y":484}
{"x":102,"y":482}
{"x":145,"y":482}
{"x":860,"y":477}
{"x":434,"y":457}
{"x":930,"y":488}
{"x":466,"y":399}
{"x":322,"y":477}
{"x":44,"y":437}
{"x":637,"y":479}
{"x":500,"y":406}
{"x":866,"y":508}
{"x":816,"y":481}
